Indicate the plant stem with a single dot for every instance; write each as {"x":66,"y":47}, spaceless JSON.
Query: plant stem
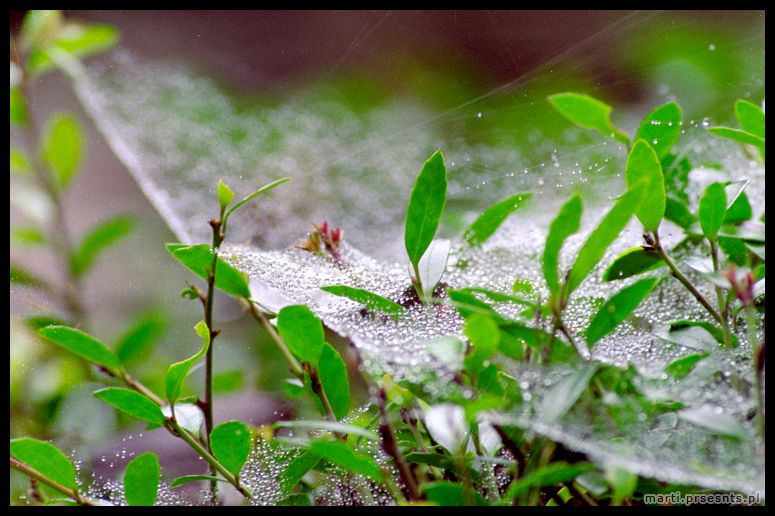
{"x":684,"y":281}
{"x":317,"y":388}
{"x":390,"y":446}
{"x":418,"y":285}
{"x":37,"y":475}
{"x":720,"y":296}
{"x":296,"y":368}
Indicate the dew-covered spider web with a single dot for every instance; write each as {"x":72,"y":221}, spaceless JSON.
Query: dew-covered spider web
{"x":177,"y":131}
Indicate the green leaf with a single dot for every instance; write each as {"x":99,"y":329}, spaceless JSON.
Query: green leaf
{"x":564,"y":394}
{"x":225,"y":195}
{"x":566,"y":223}
{"x":81,"y":344}
{"x":499,"y":297}
{"x":177,"y":372}
{"x":623,"y":483}
{"x":601,"y":237}
{"x":738,"y":210}
{"x":302,"y":331}
{"x":76,"y":39}
{"x":426,"y":204}
{"x":230,"y":443}
{"x":198,"y":259}
{"x":489,"y":221}
{"x":677,"y":212}
{"x":22,"y":276}
{"x":451,"y":494}
{"x":20,"y":161}
{"x":62,"y":147}
{"x":750,"y":117}
{"x":338,"y":453}
{"x":484,"y":334}
{"x":713,"y":208}
{"x":554,"y":473}
{"x":691,"y":336}
{"x":738,"y":135}
{"x":18,"y":107}
{"x":438,"y":460}
{"x":587,"y":112}
{"x":296,"y":469}
{"x":617,"y":308}
{"x":37,"y":322}
{"x":46,"y":459}
{"x":228,"y":381}
{"x":333,"y":377}
{"x":372,"y":301}
{"x":661,"y":128}
{"x":681,"y":367}
{"x":710,"y":419}
{"x":97,"y":240}
{"x":133,"y":403}
{"x":644,"y":171}
{"x":632,"y":262}
{"x":141,"y":479}
{"x":329,"y":426}
{"x":715,"y":332}
{"x":28,"y":235}
{"x":258,"y":192}
{"x":137,"y":343}
{"x":181,"y":481}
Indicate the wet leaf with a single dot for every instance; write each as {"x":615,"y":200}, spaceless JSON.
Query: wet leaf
{"x":302,"y":331}
{"x":297,"y":468}
{"x":199,"y":258}
{"x":426,"y":204}
{"x":62,"y":147}
{"x":483,"y":333}
{"x":714,"y":421}
{"x":45,"y":458}
{"x":566,"y":223}
{"x":333,"y":377}
{"x":661,"y":128}
{"x":681,"y":367}
{"x":133,"y":403}
{"x":340,"y":454}
{"x":632,"y":262}
{"x":644,"y":171}
{"x":489,"y":221}
{"x":617,"y":308}
{"x":587,"y":112}
{"x":329,"y":426}
{"x":97,"y":240}
{"x":181,"y":481}
{"x":373,"y":301}
{"x":230,"y":443}
{"x":564,"y":394}
{"x":713,"y":208}
{"x":81,"y":344}
{"x":177,"y":372}
{"x":141,"y":479}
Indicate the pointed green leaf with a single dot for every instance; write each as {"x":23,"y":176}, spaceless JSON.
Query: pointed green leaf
{"x":97,"y":240}
{"x":141,"y":479}
{"x":426,"y":204}
{"x":738,"y":135}
{"x":644,"y":171}
{"x":198,"y":259}
{"x":81,"y":344}
{"x":661,"y":128}
{"x":566,"y":223}
{"x":739,"y":210}
{"x":677,"y":212}
{"x":177,"y":372}
{"x":133,"y":403}
{"x":186,"y":479}
{"x":372,"y":301}
{"x":340,"y":454}
{"x":137,"y":343}
{"x":632,"y":262}
{"x":46,"y":459}
{"x":18,"y":107}
{"x":302,"y":331}
{"x":76,"y":39}
{"x":601,"y":237}
{"x":489,"y":221}
{"x":623,"y":483}
{"x":333,"y":377}
{"x":22,"y":276}
{"x":230,"y":443}
{"x":750,"y":117}
{"x":63,"y":147}
{"x":587,"y":112}
{"x":28,"y":235}
{"x":564,"y":394}
{"x":20,"y":161}
{"x":554,"y":473}
{"x":714,"y":421}
{"x":617,"y":308}
{"x":713,"y":209}
{"x":681,"y":367}
{"x":483,"y":333}
{"x":225,"y":195}
{"x":258,"y":192}
{"x":296,"y":469}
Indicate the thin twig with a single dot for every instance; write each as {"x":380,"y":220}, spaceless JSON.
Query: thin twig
{"x":37,"y":475}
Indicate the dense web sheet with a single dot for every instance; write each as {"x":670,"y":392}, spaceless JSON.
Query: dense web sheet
{"x":177,"y":132}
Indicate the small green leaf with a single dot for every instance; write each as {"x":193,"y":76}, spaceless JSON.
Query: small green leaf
{"x":177,"y":372}
{"x":18,"y":107}
{"x":97,"y":240}
{"x":141,"y":479}
{"x":564,"y":394}
{"x":22,"y":276}
{"x":63,"y":147}
{"x":37,"y":322}
{"x":617,"y":308}
{"x":228,"y":381}
{"x":644,"y":171}
{"x":738,"y":135}
{"x":489,"y":221}
{"x":340,"y":454}
{"x":739,"y":210}
{"x":230,"y":443}
{"x":677,"y":212}
{"x":750,"y":117}
{"x":661,"y":128}
{"x":46,"y":459}
{"x":445,"y":493}
{"x":587,"y":112}
{"x":713,"y":208}
{"x":433,"y":459}
{"x":225,"y":195}
{"x":137,"y":343}
{"x":76,"y":39}
{"x":623,"y":483}
{"x":426,"y":204}
{"x":199,"y":258}
{"x":302,"y":331}
{"x":681,"y":367}
{"x":28,"y":235}
{"x":566,"y":223}
{"x":258,"y":192}
{"x":554,"y":473}
{"x":372,"y":301}
{"x":484,"y":334}
{"x":81,"y":344}
{"x":20,"y":161}
{"x":333,"y":377}
{"x":296,"y":469}
{"x":133,"y":403}
{"x":714,"y":421}
{"x":601,"y":237}
{"x":632,"y":262}
{"x":181,"y":481}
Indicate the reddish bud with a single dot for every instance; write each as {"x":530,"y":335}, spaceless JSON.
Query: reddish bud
{"x":324,"y":227}
{"x":336,"y":236}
